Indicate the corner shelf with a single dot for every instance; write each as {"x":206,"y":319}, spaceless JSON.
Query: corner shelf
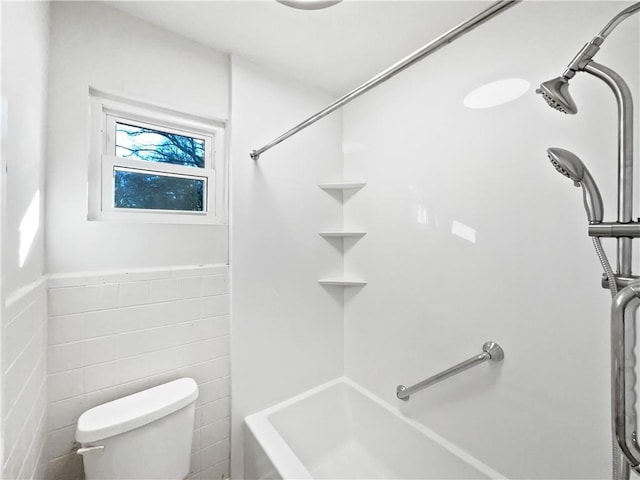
{"x":343,"y":282}
{"x":342,"y":186}
{"x":342,"y":233}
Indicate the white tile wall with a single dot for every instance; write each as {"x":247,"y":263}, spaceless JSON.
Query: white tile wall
{"x":116,"y":333}
{"x":24,"y":334}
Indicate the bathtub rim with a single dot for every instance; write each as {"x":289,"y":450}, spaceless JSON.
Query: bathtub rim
{"x":288,"y":465}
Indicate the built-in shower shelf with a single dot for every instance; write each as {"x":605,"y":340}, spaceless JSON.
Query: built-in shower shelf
{"x":344,"y":281}
{"x":342,"y":233}
{"x":341,"y":188}
{"x":342,"y":185}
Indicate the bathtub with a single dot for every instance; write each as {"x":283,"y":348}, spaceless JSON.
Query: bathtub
{"x":339,"y":430}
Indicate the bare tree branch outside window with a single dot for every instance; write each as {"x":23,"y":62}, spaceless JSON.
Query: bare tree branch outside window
{"x":156,"y":190}
{"x":158,"y":146}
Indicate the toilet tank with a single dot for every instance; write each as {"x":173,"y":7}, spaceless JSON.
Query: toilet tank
{"x":146,"y":435}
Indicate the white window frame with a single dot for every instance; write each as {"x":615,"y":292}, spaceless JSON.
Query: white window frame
{"x":106,"y":111}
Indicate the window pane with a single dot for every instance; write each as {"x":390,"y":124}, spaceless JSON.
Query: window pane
{"x":151,"y":145}
{"x":151,"y":191}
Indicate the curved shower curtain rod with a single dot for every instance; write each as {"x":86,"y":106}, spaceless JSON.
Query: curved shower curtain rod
{"x":415,"y":57}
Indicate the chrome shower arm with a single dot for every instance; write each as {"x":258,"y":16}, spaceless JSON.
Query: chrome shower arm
{"x":624,"y":101}
{"x":624,"y":415}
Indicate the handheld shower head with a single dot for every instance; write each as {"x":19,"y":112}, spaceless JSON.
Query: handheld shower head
{"x":569,"y":165}
{"x":556,"y":94}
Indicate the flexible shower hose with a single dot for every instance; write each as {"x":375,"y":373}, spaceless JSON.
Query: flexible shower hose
{"x":620,"y":467}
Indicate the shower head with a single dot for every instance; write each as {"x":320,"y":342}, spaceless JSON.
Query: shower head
{"x":569,"y":165}
{"x":556,"y":91}
{"x":556,"y":94}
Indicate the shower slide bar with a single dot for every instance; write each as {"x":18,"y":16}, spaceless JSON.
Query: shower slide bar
{"x":406,"y":62}
{"x":490,"y":351}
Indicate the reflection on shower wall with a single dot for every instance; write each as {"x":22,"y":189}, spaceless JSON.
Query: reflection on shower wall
{"x":472,"y":236}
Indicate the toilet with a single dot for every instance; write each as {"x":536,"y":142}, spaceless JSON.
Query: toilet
{"x":143,"y":436}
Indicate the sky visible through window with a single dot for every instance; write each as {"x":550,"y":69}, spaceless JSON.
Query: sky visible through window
{"x":147,"y":144}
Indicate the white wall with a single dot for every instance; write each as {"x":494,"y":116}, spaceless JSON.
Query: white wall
{"x":287,"y":333}
{"x":93,"y":45}
{"x":113,"y":334}
{"x":25,"y":37}
{"x":128,"y":306}
{"x":25,"y":50}
{"x":529,"y":281}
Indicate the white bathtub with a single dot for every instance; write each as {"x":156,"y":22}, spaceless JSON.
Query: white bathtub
{"x":339,"y":430}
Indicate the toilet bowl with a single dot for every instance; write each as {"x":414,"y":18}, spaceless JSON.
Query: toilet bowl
{"x":143,"y":436}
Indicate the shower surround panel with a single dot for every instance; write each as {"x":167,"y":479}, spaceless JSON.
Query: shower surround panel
{"x":473,"y":236}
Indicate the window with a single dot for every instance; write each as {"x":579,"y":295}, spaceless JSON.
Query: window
{"x":151,"y":164}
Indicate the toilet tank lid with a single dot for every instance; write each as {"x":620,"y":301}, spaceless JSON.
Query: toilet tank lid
{"x":127,"y":413}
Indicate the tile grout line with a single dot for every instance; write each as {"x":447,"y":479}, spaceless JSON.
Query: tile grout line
{"x":142,"y":330}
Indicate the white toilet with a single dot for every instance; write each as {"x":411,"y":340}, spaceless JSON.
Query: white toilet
{"x":144,"y":436}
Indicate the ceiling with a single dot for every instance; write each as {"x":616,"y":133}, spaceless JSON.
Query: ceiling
{"x":335,"y":49}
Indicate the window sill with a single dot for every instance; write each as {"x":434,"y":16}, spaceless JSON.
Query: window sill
{"x":162,"y":218}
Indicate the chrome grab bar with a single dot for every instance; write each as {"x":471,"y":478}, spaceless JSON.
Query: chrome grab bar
{"x":623,"y":396}
{"x":490,"y":351}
